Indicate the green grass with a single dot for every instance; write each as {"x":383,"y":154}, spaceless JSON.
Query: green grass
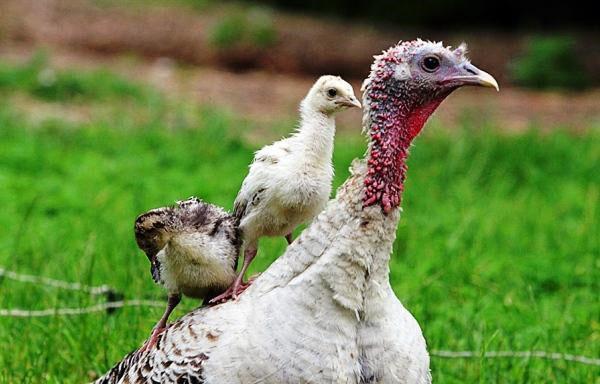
{"x":497,"y":248}
{"x":38,"y":79}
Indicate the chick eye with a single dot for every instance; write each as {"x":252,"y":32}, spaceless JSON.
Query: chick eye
{"x":331,"y":92}
{"x":431,"y":63}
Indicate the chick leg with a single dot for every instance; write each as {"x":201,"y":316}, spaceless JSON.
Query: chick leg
{"x":249,"y":255}
{"x":289,"y":238}
{"x":172,"y":302}
{"x":238,"y":286}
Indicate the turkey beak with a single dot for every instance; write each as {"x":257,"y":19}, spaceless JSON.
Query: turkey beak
{"x":350,"y":101}
{"x":468,"y":74}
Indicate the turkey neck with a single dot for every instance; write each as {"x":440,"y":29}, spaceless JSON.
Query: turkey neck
{"x":315,"y":134}
{"x":392,"y":121}
{"x":371,"y":197}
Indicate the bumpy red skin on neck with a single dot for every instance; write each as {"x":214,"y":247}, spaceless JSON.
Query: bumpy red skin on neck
{"x":396,"y":116}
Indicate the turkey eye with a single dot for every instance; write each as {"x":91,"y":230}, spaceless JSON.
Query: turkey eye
{"x":431,"y":63}
{"x":332,"y":92}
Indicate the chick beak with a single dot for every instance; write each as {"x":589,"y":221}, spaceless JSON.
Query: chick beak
{"x":468,"y":74}
{"x":350,"y":101}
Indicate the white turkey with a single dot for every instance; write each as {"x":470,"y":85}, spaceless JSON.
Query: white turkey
{"x":193,"y":249}
{"x":289,"y":181}
{"x":325,"y":312}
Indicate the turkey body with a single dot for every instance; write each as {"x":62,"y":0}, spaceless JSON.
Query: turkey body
{"x":283,"y":189}
{"x":194,"y":265}
{"x":289,"y":181}
{"x":193,"y":247}
{"x":324,"y":312}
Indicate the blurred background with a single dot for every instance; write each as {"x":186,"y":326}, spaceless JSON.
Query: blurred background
{"x":112,"y":107}
{"x":258,"y":58}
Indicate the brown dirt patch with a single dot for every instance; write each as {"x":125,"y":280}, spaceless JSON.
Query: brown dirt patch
{"x":304,"y":45}
{"x":268,"y":98}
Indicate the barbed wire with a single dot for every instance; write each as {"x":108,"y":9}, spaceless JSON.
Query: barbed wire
{"x":40,"y":280}
{"x":111,"y":305}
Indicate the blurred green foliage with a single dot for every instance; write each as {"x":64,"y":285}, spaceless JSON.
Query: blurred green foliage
{"x":252,"y":26}
{"x":39,"y":79}
{"x":549,"y":62}
{"x":198,"y":5}
{"x":228,"y":31}
{"x":262,"y":28}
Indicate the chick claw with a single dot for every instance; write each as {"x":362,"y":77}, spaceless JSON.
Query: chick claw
{"x":233,"y":291}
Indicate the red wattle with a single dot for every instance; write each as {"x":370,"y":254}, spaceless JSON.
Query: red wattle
{"x":418,"y":118}
{"x":393,"y":127}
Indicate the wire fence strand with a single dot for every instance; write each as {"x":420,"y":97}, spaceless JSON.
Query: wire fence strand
{"x":513,"y":354}
{"x":79,"y":310}
{"x":105,"y":289}
{"x":40,"y":280}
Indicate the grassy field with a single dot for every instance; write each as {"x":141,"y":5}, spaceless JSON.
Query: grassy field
{"x":497,"y":249}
